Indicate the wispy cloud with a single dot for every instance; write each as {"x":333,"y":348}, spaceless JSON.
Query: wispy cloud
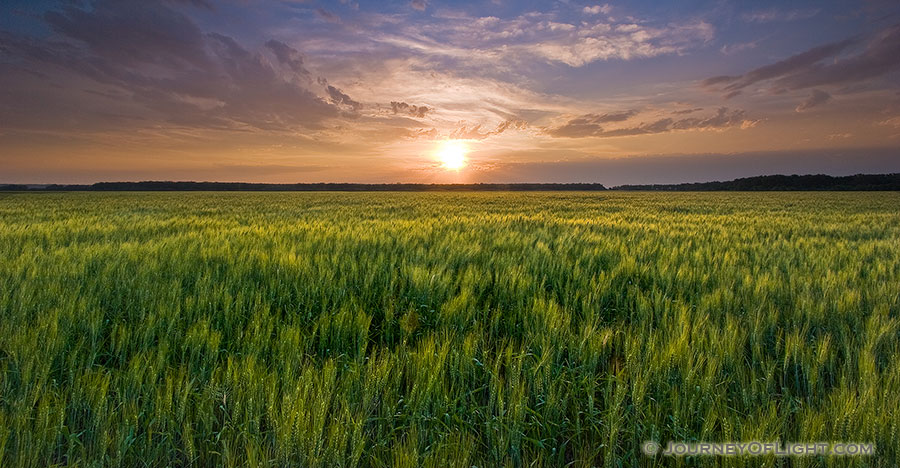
{"x":597,"y":9}
{"x":774,"y":14}
{"x":731,"y":49}
{"x":821,"y":66}
{"x":789,"y":66}
{"x":687,"y":111}
{"x":891,"y":122}
{"x":594,"y":125}
{"x":476,"y":132}
{"x":546,"y":36}
{"x":816,"y":98}
{"x":880,"y":56}
{"x":287,"y":56}
{"x":339,"y":98}
{"x":328,"y":16}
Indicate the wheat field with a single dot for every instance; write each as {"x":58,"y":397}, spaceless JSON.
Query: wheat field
{"x":444,"y":329}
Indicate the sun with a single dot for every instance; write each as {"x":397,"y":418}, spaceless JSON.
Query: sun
{"x":452,"y":154}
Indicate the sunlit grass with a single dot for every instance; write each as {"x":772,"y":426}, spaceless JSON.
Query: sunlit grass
{"x":475,"y":329}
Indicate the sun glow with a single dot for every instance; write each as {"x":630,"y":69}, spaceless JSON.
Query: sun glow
{"x":452,"y":154}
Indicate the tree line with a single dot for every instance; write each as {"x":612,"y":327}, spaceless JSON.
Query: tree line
{"x":863,"y":182}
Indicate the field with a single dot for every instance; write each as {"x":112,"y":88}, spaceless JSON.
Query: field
{"x":441,"y":329}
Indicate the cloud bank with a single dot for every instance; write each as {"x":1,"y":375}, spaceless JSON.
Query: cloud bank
{"x":826,"y":65}
{"x":160,"y":59}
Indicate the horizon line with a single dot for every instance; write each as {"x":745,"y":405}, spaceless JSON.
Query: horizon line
{"x":862,"y":181}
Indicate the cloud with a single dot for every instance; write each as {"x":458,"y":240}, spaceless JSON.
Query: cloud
{"x":774,"y":14}
{"x":465,"y":132}
{"x":749,"y":124}
{"x":198,"y":3}
{"x":328,"y":16}
{"x":597,"y":9}
{"x":514,"y":124}
{"x":338,"y":97}
{"x":547,"y":37}
{"x":287,"y":56}
{"x":593,"y":125}
{"x":423,"y":133}
{"x":731,"y":49}
{"x":816,"y":98}
{"x":419,"y":5}
{"x":590,"y":124}
{"x":167,"y":70}
{"x":609,"y":117}
{"x":687,"y":111}
{"x":130,"y":33}
{"x":723,"y":118}
{"x":821,"y":66}
{"x":582,"y":45}
{"x":880,"y":56}
{"x":409,"y":109}
{"x":792,"y":64}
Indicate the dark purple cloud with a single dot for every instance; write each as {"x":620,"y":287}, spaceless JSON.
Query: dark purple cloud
{"x":287,"y":56}
{"x":816,"y":98}
{"x":131,"y":32}
{"x":687,"y":111}
{"x":338,"y":97}
{"x":792,"y":64}
{"x":590,"y":124}
{"x":328,"y":16}
{"x":723,"y":118}
{"x":880,"y":56}
{"x":821,"y":66}
{"x":777,"y":15}
{"x":593,"y":125}
{"x":158,"y":58}
{"x":197,"y":3}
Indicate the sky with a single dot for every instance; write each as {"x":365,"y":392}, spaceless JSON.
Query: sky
{"x":431,"y":91}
